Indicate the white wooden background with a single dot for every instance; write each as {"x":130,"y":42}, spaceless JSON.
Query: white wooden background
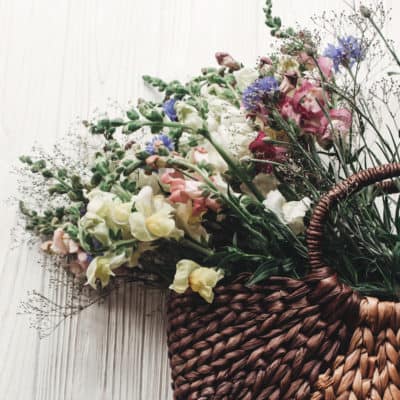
{"x":59,"y":60}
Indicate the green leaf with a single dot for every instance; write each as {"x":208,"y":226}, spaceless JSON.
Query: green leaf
{"x":264,"y":271}
{"x":132,"y":114}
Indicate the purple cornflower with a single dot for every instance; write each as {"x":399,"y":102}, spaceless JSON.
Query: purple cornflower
{"x":169,"y":109}
{"x":348,"y":52}
{"x":160,"y":144}
{"x":258,"y":92}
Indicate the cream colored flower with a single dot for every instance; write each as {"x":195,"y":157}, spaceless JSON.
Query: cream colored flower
{"x":188,"y":115}
{"x":101,"y":268}
{"x":287,"y":64}
{"x":200,"y":279}
{"x":189,"y":223}
{"x":263,"y":182}
{"x":109,"y":207}
{"x":153,"y":218}
{"x":291,"y":213}
{"x":96,"y":227}
{"x":119,"y":215}
{"x":100,"y":202}
{"x":245,"y":77}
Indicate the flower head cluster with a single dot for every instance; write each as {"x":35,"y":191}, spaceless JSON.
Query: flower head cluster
{"x":258,"y":93}
{"x":160,"y":144}
{"x":348,"y":51}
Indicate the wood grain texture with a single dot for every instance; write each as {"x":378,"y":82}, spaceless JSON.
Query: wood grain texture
{"x":59,"y":60}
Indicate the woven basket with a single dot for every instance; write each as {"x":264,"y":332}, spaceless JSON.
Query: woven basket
{"x":289,"y":339}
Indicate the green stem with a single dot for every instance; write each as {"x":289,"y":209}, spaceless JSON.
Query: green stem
{"x":235,"y":168}
{"x":167,"y":124}
{"x":196,"y":246}
{"x":125,"y":242}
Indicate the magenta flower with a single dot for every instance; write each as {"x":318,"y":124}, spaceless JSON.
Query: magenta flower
{"x":266,"y":152}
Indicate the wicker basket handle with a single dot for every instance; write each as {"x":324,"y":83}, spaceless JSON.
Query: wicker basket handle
{"x":344,"y":189}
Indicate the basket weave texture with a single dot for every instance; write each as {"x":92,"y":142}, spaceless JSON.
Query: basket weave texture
{"x":289,"y":339}
{"x":269,"y":341}
{"x":370,"y":369}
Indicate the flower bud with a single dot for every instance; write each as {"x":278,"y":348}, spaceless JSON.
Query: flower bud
{"x":226,"y":60}
{"x":265,"y":61}
{"x":365,"y":12}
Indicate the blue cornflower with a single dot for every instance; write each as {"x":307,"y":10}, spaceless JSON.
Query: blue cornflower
{"x":169,"y":109}
{"x":259,"y":91}
{"x":348,"y":51}
{"x":160,"y":144}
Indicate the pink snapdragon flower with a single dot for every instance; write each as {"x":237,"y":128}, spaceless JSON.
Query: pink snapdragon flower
{"x":305,"y":107}
{"x":63,"y":245}
{"x":182,"y":190}
{"x":326,"y":66}
{"x":287,"y":110}
{"x":289,"y":82}
{"x":339,"y":123}
{"x":308,"y":99}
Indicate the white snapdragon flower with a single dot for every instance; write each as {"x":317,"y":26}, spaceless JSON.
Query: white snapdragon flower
{"x":96,"y":227}
{"x":229,"y":127}
{"x":200,"y":279}
{"x":188,"y":115}
{"x":109,"y":207}
{"x":245,"y":77}
{"x":291,"y":213}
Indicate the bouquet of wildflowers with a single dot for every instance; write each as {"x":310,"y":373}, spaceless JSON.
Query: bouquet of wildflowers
{"x":218,"y":179}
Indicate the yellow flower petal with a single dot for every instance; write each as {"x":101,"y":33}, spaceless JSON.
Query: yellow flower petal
{"x":201,"y":279}
{"x":181,"y":279}
{"x":160,"y":224}
{"x":137,"y":223}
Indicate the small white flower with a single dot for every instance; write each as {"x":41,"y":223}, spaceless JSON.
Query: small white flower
{"x":188,"y":115}
{"x":200,"y":279}
{"x":245,"y":77}
{"x":291,"y":213}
